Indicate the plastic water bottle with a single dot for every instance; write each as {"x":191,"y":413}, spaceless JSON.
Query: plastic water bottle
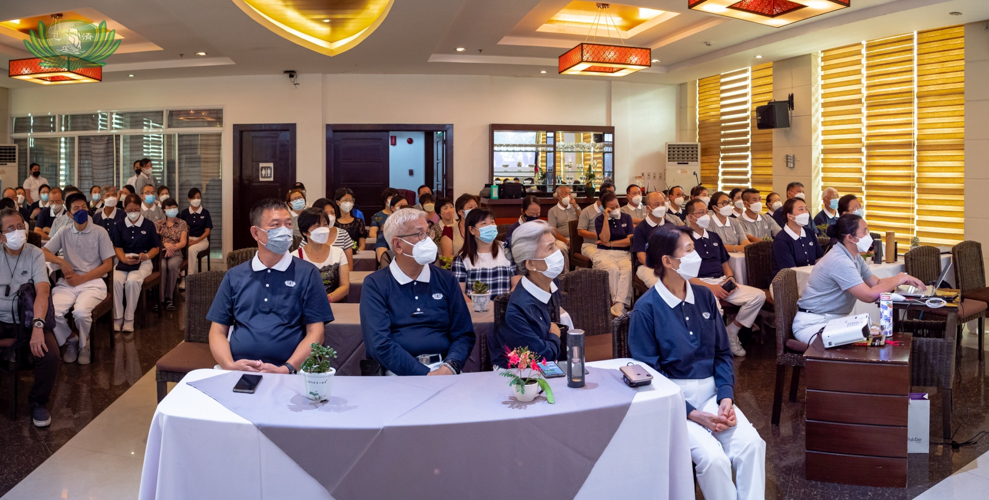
{"x":886,"y":314}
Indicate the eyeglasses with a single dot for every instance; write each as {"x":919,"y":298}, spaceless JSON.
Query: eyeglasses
{"x":419,"y":236}
{"x":723,"y":203}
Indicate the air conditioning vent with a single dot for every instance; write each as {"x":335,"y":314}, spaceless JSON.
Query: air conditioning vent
{"x":683,"y":154}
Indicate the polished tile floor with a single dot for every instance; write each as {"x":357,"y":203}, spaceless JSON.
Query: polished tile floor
{"x":101,"y":414}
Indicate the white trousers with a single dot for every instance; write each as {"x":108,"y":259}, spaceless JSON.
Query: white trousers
{"x":750,"y":299}
{"x":82,"y":299}
{"x":805,"y":325}
{"x":647,"y":275}
{"x":618,"y":263}
{"x":588,"y":250}
{"x":716,"y":454}
{"x":127,"y":284}
{"x":194,"y":251}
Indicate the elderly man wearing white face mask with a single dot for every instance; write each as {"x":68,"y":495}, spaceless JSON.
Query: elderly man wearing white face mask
{"x":656,"y":219}
{"x":715,"y":273}
{"x":753,"y":222}
{"x":635,"y":208}
{"x":559,"y":216}
{"x":413,"y":316}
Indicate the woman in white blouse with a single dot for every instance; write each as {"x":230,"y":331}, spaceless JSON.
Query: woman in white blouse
{"x":329,"y":259}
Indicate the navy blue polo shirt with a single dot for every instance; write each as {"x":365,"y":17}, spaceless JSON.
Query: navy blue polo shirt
{"x":269,"y":308}
{"x":46,"y":217}
{"x":712,"y":252}
{"x":527,"y":322}
{"x":682,"y":214}
{"x":621,"y":228}
{"x":789,"y":252}
{"x":198,"y":222}
{"x":643,"y":231}
{"x":822,"y":218}
{"x":116,"y":217}
{"x":402,"y":318}
{"x":683,"y":340}
{"x":139,"y":237}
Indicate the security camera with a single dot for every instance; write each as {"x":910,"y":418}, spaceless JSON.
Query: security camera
{"x":290,"y":73}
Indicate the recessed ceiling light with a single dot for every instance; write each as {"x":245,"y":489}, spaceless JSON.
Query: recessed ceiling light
{"x":655,"y":60}
{"x":200,"y":53}
{"x":543,"y":71}
{"x":954,"y":13}
{"x":130,"y":76}
{"x":460,"y":49}
{"x":758,"y":57}
{"x":326,"y":20}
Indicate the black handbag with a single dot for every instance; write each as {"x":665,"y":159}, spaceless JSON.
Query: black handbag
{"x":25,"y":297}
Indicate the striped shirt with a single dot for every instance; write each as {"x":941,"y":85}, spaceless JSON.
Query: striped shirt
{"x":495,"y":272}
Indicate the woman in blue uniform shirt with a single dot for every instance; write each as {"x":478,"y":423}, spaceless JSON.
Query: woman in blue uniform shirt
{"x":796,"y":245}
{"x":677,"y":330}
{"x":136,"y":242}
{"x":528,"y":317}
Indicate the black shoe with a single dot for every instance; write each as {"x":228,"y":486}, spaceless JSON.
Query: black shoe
{"x":40,"y":416}
{"x":169,"y":306}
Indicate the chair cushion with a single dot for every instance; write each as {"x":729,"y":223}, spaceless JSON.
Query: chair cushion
{"x":186,"y":357}
{"x":980,"y":294}
{"x":796,"y":345}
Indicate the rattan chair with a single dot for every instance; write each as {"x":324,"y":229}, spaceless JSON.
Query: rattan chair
{"x":587,"y":297}
{"x":619,"y":340}
{"x":759,"y":265}
{"x":503,"y":231}
{"x":34,"y":239}
{"x":970,"y":279}
{"x":789,"y":351}
{"x":576,"y":240}
{"x":194,"y":353}
{"x":237,"y":257}
{"x":924,"y":263}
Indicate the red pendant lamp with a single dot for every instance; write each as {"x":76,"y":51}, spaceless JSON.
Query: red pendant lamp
{"x":604,"y":60}
{"x":773,"y":13}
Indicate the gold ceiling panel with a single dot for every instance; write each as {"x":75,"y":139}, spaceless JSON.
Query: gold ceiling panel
{"x":329,"y":27}
{"x":578,"y":17}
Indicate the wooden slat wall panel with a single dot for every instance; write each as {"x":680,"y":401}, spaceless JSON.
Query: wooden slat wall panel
{"x":889,"y":136}
{"x":709,"y":128}
{"x":941,"y":136}
{"x":735,"y":131}
{"x":841,"y":120}
{"x":761,"y":140}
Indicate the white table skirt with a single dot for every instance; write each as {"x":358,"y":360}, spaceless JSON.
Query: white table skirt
{"x":199,"y":449}
{"x":884,"y":270}
{"x":736,"y":261}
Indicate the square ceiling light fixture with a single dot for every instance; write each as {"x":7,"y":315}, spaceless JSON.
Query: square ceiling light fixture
{"x":604,"y":60}
{"x":773,"y":13}
{"x":55,"y":70}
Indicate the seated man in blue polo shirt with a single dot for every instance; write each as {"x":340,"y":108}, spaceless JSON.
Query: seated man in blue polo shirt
{"x":275,"y":303}
{"x":413,"y":315}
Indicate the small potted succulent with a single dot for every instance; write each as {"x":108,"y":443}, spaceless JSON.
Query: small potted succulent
{"x":525,"y":386}
{"x":317,"y":374}
{"x":480,"y":296}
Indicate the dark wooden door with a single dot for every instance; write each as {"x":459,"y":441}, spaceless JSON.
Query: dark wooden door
{"x":360,"y":162}
{"x":264,"y":167}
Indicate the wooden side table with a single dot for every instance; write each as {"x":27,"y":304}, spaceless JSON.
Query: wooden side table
{"x":857,"y":401}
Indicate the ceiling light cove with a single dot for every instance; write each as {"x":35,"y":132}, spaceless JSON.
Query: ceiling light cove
{"x":329,"y":28}
{"x":626,"y":21}
{"x":773,"y":13}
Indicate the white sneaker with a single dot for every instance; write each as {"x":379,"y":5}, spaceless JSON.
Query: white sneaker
{"x":84,"y":356}
{"x":735,"y":344}
{"x":129,"y":325}
{"x":617,"y":310}
{"x":71,"y":351}
{"x":118,"y":325}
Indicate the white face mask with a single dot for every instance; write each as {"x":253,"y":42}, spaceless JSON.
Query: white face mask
{"x":704,"y":221}
{"x":554,"y":264}
{"x":163,"y":197}
{"x":565,"y":201}
{"x":864,"y":243}
{"x":690,"y":265}
{"x":678,"y":201}
{"x":636,"y":200}
{"x":802,"y":219}
{"x":726,"y":211}
{"x":20,"y":199}
{"x":319,"y":235}
{"x":56,"y":209}
{"x":659,"y":212}
{"x":756,"y":207}
{"x":16,"y":239}
{"x":739,"y":204}
{"x":775,"y":206}
{"x":615,"y":214}
{"x":110,"y":201}
{"x":799,"y":196}
{"x":133,"y":216}
{"x":424,"y":252}
{"x":347,"y":206}
{"x":705,"y":199}
{"x":196,"y":202}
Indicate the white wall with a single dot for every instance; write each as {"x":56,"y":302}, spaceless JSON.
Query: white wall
{"x":794,"y":76}
{"x":644,"y":115}
{"x":976,"y":134}
{"x":403,"y":157}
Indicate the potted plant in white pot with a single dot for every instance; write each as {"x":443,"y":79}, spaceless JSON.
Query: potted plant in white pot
{"x":526,"y":386}
{"x":480,"y":296}
{"x":317,"y":374}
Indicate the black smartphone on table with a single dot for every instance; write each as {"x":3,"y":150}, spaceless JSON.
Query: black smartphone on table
{"x":551,"y":370}
{"x":247,"y":383}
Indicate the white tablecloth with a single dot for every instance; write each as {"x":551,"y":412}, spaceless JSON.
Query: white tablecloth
{"x":884,"y":270}
{"x":199,"y":449}
{"x":736,"y":261}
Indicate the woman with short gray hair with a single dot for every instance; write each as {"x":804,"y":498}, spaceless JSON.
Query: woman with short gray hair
{"x":528,"y":320}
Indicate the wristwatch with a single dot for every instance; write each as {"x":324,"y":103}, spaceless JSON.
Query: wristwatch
{"x":454,"y":365}
{"x":291,"y":369}
{"x":39,"y":323}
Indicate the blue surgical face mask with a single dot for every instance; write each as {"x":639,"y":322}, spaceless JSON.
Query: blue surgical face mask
{"x":96,"y":196}
{"x":279,"y":240}
{"x":80,"y":217}
{"x":149,"y":199}
{"x":487,"y":233}
{"x":172,"y":212}
{"x":298,"y":204}
{"x":833,"y":204}
{"x":859,"y":213}
{"x":44,"y":197}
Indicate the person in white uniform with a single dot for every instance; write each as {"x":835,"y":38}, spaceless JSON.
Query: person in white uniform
{"x":840,"y":278}
{"x":135,"y":243}
{"x":31,"y":184}
{"x":87,"y":257}
{"x":677,"y":330}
